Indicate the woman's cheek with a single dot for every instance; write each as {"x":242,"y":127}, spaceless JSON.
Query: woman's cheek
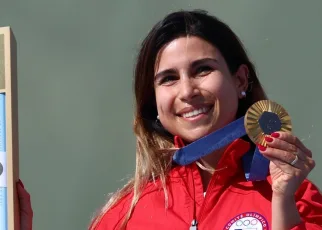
{"x":165,"y":103}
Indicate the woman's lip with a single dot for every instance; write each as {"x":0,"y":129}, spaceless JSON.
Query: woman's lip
{"x":199,"y":116}
{"x":192,"y":108}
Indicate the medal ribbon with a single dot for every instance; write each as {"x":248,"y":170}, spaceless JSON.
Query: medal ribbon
{"x":255,"y":165}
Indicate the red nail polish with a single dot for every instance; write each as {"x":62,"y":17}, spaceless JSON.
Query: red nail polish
{"x":261,"y":148}
{"x":268,"y":139}
{"x":20,"y":182}
{"x":275,"y":135}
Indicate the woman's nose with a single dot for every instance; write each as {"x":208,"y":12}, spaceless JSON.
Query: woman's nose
{"x":188,"y":89}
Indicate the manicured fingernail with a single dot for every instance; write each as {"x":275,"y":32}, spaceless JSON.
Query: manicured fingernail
{"x":275,"y":135}
{"x":20,"y":182}
{"x":268,"y":139}
{"x":261,"y":147}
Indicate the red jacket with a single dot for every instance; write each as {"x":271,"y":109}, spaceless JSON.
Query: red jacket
{"x":231,"y":202}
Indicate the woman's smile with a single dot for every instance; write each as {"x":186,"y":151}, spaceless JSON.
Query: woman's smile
{"x":195,"y":92}
{"x":195,"y":113}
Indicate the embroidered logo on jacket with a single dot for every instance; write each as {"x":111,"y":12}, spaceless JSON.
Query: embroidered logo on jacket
{"x":247,"y":221}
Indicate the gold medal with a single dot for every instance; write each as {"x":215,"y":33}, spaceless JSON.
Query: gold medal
{"x":265,"y":117}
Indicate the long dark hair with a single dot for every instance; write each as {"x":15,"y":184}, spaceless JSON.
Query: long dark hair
{"x":188,"y":23}
{"x":151,"y":160}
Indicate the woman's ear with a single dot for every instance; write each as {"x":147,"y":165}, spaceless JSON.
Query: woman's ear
{"x":241,"y":80}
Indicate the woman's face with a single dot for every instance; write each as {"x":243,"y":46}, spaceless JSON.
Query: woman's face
{"x":195,"y":92}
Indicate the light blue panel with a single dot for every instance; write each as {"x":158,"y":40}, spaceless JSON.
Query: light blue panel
{"x":3,"y":165}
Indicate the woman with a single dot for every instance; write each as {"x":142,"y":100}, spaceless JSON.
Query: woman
{"x":193,"y":77}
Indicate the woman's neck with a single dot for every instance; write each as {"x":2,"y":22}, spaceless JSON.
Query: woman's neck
{"x":207,"y":165}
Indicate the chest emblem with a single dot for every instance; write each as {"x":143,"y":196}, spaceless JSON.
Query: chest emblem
{"x":247,"y":221}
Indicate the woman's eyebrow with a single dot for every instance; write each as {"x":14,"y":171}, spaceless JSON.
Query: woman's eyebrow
{"x":203,"y":60}
{"x":193,"y":65}
{"x":164,"y":72}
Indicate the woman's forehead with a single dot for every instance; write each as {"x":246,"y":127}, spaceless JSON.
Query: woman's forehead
{"x":185,"y":50}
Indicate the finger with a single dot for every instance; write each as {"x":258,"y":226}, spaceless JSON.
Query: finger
{"x":284,"y":159}
{"x":285,"y":167}
{"x":280,"y":144}
{"x":285,"y":146}
{"x":288,"y":137}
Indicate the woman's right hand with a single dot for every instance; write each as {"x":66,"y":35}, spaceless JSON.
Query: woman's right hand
{"x":25,"y":209}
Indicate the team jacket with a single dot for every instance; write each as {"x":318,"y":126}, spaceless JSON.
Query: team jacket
{"x":230,"y":203}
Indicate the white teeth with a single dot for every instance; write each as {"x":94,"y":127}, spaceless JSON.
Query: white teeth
{"x":195,"y":112}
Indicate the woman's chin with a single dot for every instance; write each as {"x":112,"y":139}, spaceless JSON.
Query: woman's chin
{"x":193,"y":136}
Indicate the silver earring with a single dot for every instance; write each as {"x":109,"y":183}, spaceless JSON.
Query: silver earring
{"x":157,"y":121}
{"x":243,"y":93}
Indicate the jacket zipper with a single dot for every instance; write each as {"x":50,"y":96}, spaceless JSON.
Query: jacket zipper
{"x":196,"y":221}
{"x":193,"y":225}
{"x":203,"y":207}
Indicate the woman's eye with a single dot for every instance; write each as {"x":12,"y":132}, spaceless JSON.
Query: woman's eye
{"x":203,"y":70}
{"x":167,"y":80}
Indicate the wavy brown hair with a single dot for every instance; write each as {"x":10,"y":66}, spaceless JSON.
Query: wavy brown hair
{"x":154,"y":143}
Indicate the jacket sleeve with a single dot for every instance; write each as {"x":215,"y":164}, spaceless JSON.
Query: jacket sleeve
{"x":309,"y":203}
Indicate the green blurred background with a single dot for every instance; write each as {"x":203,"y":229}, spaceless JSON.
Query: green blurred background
{"x":75,"y":65}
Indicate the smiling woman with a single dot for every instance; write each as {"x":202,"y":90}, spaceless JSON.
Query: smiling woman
{"x":195,"y":92}
{"x":192,"y":78}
